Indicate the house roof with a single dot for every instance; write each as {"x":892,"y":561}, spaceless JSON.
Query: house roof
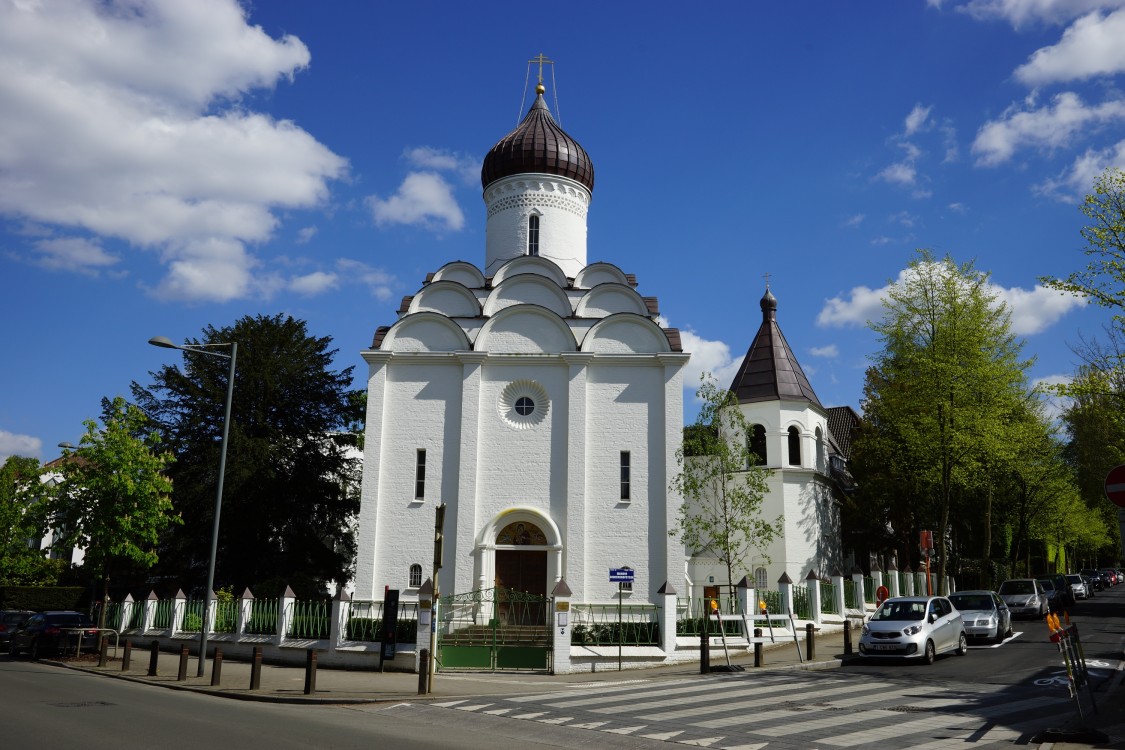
{"x":770,"y":370}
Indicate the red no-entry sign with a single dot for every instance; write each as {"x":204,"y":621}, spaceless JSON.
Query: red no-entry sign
{"x":1115,"y":486}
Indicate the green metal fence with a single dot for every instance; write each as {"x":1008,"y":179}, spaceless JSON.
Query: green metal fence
{"x":828,"y":598}
{"x":113,"y":615}
{"x":772,"y":600}
{"x":263,"y":617}
{"x":605,"y":625}
{"x":802,"y":606}
{"x":136,"y":617}
{"x":495,"y":628}
{"x":310,"y":619}
{"x":226,"y":615}
{"x":363,"y":621}
{"x":193,"y":616}
{"x":162,"y":616}
{"x":851,"y":597}
{"x":692,"y":614}
{"x":869,"y":589}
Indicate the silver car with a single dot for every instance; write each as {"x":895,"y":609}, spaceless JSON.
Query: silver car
{"x":985,"y":614}
{"x":1024,"y":597}
{"x":1078,"y":586}
{"x":914,"y":627}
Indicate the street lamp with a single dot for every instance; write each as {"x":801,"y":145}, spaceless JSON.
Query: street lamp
{"x":166,"y":343}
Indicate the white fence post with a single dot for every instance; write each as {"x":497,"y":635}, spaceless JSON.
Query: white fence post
{"x":426,"y":624}
{"x":812,"y":583}
{"x":178,"y":607}
{"x":285,"y":616}
{"x":559,"y":623}
{"x":338,"y":619}
{"x":838,"y":589}
{"x":860,"y":594}
{"x":150,"y":611}
{"x":893,"y":580}
{"x":126,"y":612}
{"x":245,"y":610}
{"x":785,"y":588}
{"x":669,"y":618}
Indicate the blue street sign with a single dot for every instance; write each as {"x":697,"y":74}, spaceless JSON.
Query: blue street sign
{"x":620,"y":575}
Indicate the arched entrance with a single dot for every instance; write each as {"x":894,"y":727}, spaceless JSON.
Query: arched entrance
{"x":521,"y":573}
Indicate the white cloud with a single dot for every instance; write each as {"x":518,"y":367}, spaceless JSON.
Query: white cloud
{"x":881,"y":240}
{"x":378,"y":281}
{"x":854,"y":221}
{"x":1078,"y":179}
{"x":74,"y":254}
{"x":1094,"y":45}
{"x":707,"y":356}
{"x":423,"y":198}
{"x":12,"y":444}
{"x":959,"y":208}
{"x":314,"y":283}
{"x":901,"y":173}
{"x":1051,"y":126}
{"x":1053,"y":405}
{"x":916,"y":120}
{"x":904,"y":218}
{"x":434,"y":159}
{"x":1020,"y":13}
{"x":1032,"y":311}
{"x":305,"y":235}
{"x":831,"y":351}
{"x":121,"y":118}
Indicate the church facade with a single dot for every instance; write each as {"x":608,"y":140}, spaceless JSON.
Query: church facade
{"x":538,"y":397}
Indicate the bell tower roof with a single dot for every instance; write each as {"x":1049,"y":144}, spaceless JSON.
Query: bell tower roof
{"x":538,"y":145}
{"x":770,"y":370}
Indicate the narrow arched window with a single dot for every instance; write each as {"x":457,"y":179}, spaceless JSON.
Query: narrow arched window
{"x":533,"y":234}
{"x":760,"y":581}
{"x":821,"y":453}
{"x":757,"y":445}
{"x":794,"y":446}
{"x":415,"y":576}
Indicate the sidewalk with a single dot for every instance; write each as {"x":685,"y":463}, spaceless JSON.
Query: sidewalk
{"x":285,"y":684}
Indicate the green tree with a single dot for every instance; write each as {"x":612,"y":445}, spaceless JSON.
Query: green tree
{"x":943,"y":387}
{"x":114,"y":497}
{"x":291,"y":489}
{"x":23,"y":522}
{"x":722,"y":486}
{"x":1102,"y":282}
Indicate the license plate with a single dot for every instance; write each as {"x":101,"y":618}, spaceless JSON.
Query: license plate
{"x":885,"y":646}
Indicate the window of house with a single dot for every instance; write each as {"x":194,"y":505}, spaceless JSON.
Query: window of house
{"x":415,"y":576}
{"x":420,"y":475}
{"x":626,"y":462}
{"x":757,"y":445}
{"x":533,"y":234}
{"x":524,"y":406}
{"x":794,"y":446}
{"x":760,"y":581}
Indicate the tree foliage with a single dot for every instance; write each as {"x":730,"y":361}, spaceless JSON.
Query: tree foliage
{"x":722,"y":487}
{"x":23,"y":522}
{"x":114,"y":497}
{"x":939,"y":399}
{"x":291,"y":486}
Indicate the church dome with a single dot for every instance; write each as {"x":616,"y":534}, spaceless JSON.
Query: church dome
{"x":538,"y":145}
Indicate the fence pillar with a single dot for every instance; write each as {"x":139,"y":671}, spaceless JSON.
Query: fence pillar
{"x":669,"y":617}
{"x":245,"y":609}
{"x":285,"y":615}
{"x":127,"y":607}
{"x":908,"y":581}
{"x":338,"y":620}
{"x":893,"y":580}
{"x":747,"y":603}
{"x":920,"y":582}
{"x":785,"y":588}
{"x":812,"y":583}
{"x":838,"y":589}
{"x":179,"y":604}
{"x":860,"y":594}
{"x":211,"y":612}
{"x":560,"y":624}
{"x":150,"y":611}
{"x":427,"y":614}
{"x":876,"y":576}
{"x":950,"y":585}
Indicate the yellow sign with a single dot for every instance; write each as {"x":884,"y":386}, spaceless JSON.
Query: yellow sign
{"x":562,"y":606}
{"x":423,"y":604}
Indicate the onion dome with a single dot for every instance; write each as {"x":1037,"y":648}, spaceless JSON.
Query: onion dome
{"x":538,"y":145}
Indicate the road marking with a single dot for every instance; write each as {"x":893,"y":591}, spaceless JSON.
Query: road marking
{"x":665,"y":736}
{"x":626,"y":730}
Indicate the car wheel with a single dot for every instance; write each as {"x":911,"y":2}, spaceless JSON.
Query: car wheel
{"x":962,"y":645}
{"x":931,"y":652}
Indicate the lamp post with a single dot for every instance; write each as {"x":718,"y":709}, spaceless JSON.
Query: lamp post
{"x":205,"y":625}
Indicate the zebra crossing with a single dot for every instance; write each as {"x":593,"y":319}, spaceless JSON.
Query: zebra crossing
{"x":798,"y":710}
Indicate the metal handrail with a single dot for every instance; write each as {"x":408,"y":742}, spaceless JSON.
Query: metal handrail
{"x":78,"y":646}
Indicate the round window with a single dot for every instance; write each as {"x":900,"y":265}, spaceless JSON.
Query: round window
{"x":523,"y":404}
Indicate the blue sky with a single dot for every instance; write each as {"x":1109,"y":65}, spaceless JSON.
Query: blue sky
{"x":168,"y":165}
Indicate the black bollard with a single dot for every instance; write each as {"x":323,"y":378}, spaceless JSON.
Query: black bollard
{"x":256,"y":669}
{"x":217,"y":667}
{"x":758,"y":650}
{"x":810,"y":641}
{"x":310,"y":671}
{"x":182,"y":674}
{"x":423,"y":671}
{"x":126,"y":655}
{"x":847,"y":636}
{"x":153,"y":658}
{"x":103,"y":650}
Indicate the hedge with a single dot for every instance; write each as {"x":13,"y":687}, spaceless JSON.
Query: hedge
{"x":43,"y":598}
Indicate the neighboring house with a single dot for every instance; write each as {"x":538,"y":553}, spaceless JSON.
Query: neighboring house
{"x":51,"y":477}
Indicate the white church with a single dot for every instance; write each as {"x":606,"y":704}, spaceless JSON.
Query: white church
{"x":538,"y":397}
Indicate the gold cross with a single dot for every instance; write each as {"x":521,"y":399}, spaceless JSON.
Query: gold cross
{"x":541,"y":59}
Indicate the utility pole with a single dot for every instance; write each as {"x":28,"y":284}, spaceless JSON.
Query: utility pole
{"x":439,"y":526}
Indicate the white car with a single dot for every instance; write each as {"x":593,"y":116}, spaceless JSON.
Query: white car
{"x":985,"y":614}
{"x":1078,"y":586}
{"x":1024,"y":597}
{"x":914,"y":627}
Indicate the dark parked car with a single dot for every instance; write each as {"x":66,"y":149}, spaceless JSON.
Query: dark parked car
{"x":53,"y":632}
{"x":9,"y":621}
{"x":1097,"y":582}
{"x":1062,"y":586}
